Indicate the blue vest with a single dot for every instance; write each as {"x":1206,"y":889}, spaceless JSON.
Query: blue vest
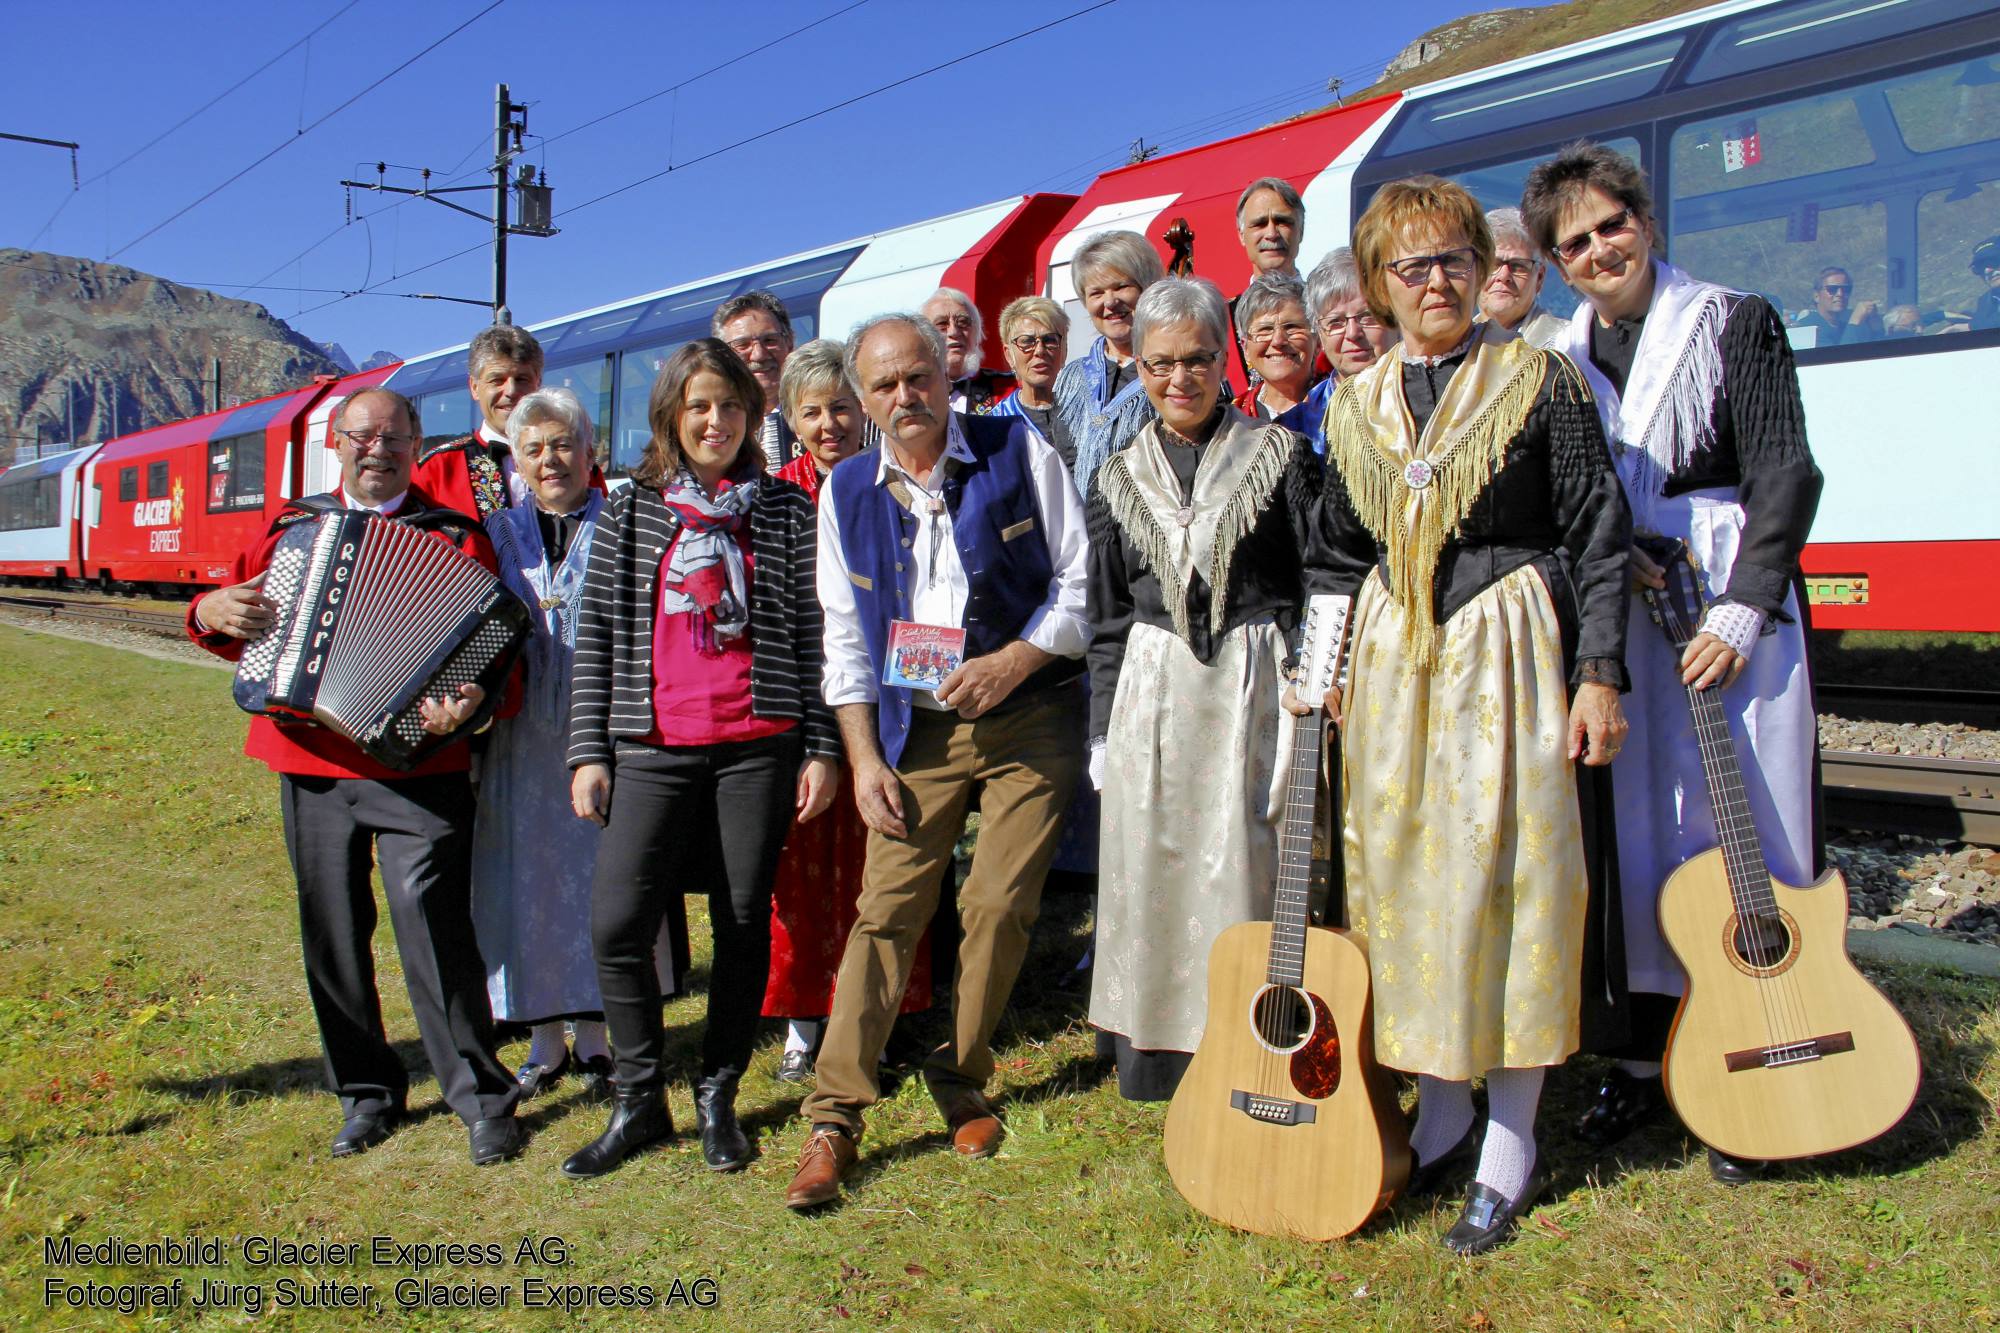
{"x":996,"y":526}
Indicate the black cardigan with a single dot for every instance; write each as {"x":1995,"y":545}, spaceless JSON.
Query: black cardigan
{"x":612,"y":693}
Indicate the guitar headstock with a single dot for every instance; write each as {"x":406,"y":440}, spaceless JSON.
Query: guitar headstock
{"x":1677,"y":608}
{"x":1319,"y":648}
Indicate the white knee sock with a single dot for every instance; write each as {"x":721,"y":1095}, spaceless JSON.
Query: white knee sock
{"x":1444,"y":1113}
{"x":1641,"y":1068}
{"x":587,"y":1036}
{"x":545,"y":1046}
{"x":800,"y":1034}
{"x":1507,"y":1158}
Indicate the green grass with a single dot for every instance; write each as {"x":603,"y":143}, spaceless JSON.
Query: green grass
{"x":159,"y":1076}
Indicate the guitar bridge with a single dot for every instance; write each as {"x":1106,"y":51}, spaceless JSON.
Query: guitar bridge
{"x":1273,"y":1110}
{"x":1789,"y":1053}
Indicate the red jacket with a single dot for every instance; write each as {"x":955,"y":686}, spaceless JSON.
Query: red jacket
{"x":305,"y":750}
{"x":461,"y":474}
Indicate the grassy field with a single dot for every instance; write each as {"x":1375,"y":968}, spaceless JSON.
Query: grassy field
{"x":159,"y":1077}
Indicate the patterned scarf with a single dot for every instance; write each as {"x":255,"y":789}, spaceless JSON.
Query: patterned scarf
{"x":705,"y":572}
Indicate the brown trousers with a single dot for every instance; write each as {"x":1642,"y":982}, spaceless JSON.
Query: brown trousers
{"x":1021,"y":765}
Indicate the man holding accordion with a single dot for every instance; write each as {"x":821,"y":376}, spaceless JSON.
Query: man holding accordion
{"x":341,"y":805}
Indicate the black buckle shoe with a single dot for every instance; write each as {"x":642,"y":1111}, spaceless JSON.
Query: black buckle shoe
{"x":724,"y":1146}
{"x":1426,"y":1177}
{"x":365,"y":1130}
{"x":1727,"y":1170}
{"x":639,"y":1119}
{"x":1623,"y":1104}
{"x":1489,"y":1218}
{"x":496,"y":1140}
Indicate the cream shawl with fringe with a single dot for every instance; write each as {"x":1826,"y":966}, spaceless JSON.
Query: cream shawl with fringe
{"x":1240,"y":468}
{"x":1412,"y":491}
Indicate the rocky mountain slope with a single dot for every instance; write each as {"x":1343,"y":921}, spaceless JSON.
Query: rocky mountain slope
{"x":91,"y":350}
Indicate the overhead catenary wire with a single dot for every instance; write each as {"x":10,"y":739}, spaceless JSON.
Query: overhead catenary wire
{"x":185,"y":209}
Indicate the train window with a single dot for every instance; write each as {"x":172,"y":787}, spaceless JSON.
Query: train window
{"x":1499,"y":186}
{"x":158,"y":480}
{"x":1587,"y":83}
{"x":626,"y":441}
{"x":590,"y":381}
{"x":1854,"y":212}
{"x":1793,"y":32}
{"x":236,"y":474}
{"x":128,"y":483}
{"x":35,"y":503}
{"x":446,"y":414}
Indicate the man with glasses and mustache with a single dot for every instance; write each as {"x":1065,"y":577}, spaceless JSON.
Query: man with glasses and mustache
{"x":965,"y":524}
{"x":757,"y":328}
{"x":342,"y":810}
{"x":1835,"y":321}
{"x":952,"y":313}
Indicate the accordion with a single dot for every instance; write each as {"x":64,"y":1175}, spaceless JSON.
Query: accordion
{"x":371,"y":617}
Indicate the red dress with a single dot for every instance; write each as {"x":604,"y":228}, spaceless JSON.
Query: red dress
{"x":819,"y":881}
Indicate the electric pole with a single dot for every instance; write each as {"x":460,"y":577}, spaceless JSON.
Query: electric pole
{"x":510,"y":127}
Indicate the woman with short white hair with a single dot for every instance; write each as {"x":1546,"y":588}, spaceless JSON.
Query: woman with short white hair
{"x":1512,"y":295}
{"x":531,"y":862}
{"x":1201,"y":554}
{"x":1099,"y":395}
{"x":1277,"y":344}
{"x":1350,"y":334}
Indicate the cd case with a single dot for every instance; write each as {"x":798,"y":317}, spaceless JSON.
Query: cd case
{"x":921,"y":656}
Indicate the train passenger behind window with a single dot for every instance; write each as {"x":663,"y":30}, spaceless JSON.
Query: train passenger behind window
{"x":1986,"y":264}
{"x":1834,"y":319}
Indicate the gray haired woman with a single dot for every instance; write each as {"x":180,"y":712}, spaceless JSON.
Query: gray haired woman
{"x":1102,"y":403}
{"x":1202,"y":551}
{"x":531,"y":862}
{"x":1277,"y":344}
{"x":1350,"y":335}
{"x":1512,"y":296}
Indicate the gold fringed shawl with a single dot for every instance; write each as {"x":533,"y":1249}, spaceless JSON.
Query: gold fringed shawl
{"x":1411,"y":491}
{"x":1240,"y":467}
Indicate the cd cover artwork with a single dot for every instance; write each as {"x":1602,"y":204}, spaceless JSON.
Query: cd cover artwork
{"x":921,"y":656}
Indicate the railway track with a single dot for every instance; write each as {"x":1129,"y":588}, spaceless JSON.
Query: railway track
{"x":1904,"y":703}
{"x":1898,"y":793}
{"x":166,"y":624}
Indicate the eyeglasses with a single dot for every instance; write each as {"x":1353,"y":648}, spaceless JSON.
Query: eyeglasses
{"x":1263,"y":335}
{"x":770,"y":342}
{"x":1416,"y":270}
{"x":1334,"y":325}
{"x":1837,"y":288}
{"x":1616,"y":225}
{"x":1519,"y":268}
{"x":1028,"y":343}
{"x":393,"y":442}
{"x":1196,"y":363}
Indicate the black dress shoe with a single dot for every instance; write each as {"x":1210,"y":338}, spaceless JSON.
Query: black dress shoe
{"x":1728,"y":1170}
{"x":1426,"y":1177}
{"x":595,"y":1078}
{"x":365,"y":1130}
{"x":496,"y":1140}
{"x":639,"y":1118}
{"x":1489,"y":1217}
{"x":724,"y":1146}
{"x":535,"y":1078}
{"x":1623,"y":1104}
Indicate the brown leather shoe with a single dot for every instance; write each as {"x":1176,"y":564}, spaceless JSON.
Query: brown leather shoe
{"x":824,"y":1162}
{"x":975,"y":1130}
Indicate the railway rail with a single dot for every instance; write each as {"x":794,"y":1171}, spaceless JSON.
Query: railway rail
{"x":166,"y":624}
{"x":1897,"y":793}
{"x":1905,"y":703}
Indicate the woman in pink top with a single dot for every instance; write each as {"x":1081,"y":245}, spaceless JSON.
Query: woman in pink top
{"x":696,"y":727}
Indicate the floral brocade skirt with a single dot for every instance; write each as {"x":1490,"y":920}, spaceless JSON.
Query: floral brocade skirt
{"x":1465,"y":865}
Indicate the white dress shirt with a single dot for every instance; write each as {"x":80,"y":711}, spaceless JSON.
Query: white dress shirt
{"x":937,"y":584}
{"x":386,"y":508}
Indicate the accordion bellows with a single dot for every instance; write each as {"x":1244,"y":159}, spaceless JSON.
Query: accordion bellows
{"x":372,"y":616}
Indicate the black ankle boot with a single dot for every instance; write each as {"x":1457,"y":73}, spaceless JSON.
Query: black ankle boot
{"x":639,"y":1118}
{"x":723,"y":1144}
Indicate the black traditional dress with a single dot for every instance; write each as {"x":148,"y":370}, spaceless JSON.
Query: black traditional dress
{"x":1478,"y":487}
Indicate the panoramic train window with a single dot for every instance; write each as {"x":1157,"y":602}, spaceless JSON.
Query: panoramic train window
{"x":1793,"y":32}
{"x":128,"y":484}
{"x":447,"y":413}
{"x":1500,"y":185}
{"x":236,"y":474}
{"x":1855,"y":212}
{"x":30,"y":503}
{"x":590,"y":381}
{"x":626,"y":441}
{"x":158,"y":480}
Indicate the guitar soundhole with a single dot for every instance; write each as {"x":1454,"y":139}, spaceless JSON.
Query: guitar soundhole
{"x":1761,"y":943}
{"x":1282,"y":1017}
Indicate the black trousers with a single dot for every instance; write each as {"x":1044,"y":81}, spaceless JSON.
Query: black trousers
{"x":671,"y":807}
{"x":422,"y":828}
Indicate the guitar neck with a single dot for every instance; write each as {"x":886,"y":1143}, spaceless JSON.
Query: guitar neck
{"x":1295,"y":834}
{"x":1749,"y":879}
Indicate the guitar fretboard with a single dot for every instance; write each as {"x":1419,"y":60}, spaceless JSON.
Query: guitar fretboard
{"x":1294,"y":897}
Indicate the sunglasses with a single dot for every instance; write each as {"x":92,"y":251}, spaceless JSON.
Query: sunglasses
{"x":1837,"y":288}
{"x":1027,"y":343}
{"x":1618,"y":224}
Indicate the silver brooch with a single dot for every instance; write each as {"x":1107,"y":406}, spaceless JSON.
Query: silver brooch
{"x":1184,"y":516}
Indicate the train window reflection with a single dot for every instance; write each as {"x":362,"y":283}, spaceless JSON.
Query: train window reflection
{"x":1951,"y":224}
{"x":236,"y":474}
{"x":447,"y":414}
{"x":637,"y":369}
{"x":1794,"y":32}
{"x":590,"y":381}
{"x":1583,"y":84}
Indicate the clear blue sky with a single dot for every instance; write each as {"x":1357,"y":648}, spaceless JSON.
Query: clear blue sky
{"x":1043,"y":113}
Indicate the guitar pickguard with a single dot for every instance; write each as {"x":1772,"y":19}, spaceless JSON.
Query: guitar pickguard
{"x":1316,"y":1065}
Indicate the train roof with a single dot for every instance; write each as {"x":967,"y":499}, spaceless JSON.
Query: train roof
{"x":47,"y":465}
{"x":239,"y":420}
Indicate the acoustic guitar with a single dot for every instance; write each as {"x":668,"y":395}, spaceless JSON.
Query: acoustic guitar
{"x":1780,"y":1047}
{"x":1283,"y":1124}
